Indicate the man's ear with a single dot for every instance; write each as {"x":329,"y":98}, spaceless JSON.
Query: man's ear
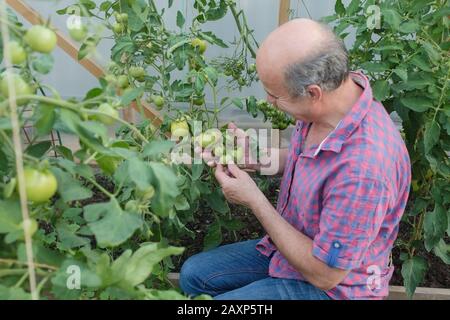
{"x":314,"y":92}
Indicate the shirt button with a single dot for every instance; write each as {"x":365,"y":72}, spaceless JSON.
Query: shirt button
{"x":337,"y":245}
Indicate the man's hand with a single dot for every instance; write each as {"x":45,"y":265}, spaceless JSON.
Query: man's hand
{"x":237,"y":186}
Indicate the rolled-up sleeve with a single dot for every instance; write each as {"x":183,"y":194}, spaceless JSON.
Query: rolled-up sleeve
{"x":352,"y":213}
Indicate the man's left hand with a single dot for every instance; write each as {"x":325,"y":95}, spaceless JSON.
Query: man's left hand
{"x":237,"y":186}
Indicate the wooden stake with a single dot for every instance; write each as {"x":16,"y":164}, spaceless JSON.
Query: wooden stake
{"x":283,"y":14}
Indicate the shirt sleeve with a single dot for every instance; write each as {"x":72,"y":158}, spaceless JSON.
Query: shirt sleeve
{"x":352,"y":213}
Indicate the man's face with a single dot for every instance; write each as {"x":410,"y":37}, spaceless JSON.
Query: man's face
{"x":300,"y":108}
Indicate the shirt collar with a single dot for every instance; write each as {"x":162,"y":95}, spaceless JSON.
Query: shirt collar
{"x":335,"y":140}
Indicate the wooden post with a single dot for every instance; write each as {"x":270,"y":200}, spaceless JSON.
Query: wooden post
{"x":89,"y":64}
{"x":283,"y":14}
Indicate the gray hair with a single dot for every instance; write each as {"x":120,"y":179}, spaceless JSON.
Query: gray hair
{"x":327,"y":67}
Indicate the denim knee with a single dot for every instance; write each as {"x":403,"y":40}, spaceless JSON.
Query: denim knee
{"x":190,"y":276}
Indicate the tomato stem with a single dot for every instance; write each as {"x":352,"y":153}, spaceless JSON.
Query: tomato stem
{"x":18,"y":148}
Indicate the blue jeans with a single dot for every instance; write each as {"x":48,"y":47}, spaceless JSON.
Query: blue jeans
{"x":240,"y":272}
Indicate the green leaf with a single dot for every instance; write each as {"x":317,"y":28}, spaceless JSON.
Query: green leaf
{"x":212,"y":74}
{"x":45,"y":119}
{"x":339,"y":8}
{"x":409,"y":27}
{"x":68,"y":238}
{"x":418,"y":104}
{"x":413,"y":272}
{"x":69,"y":188}
{"x":402,"y":73}
{"x":180,"y":20}
{"x":115,"y":226}
{"x":435,"y":225}
{"x":140,"y":265}
{"x":39,"y":149}
{"x":431,"y":135}
{"x":166,"y":188}
{"x":375,"y":66}
{"x":232,"y":224}
{"x":197,"y":170}
{"x":181,"y":203}
{"x":139,"y":173}
{"x":213,"y":238}
{"x":10,"y":216}
{"x":421,"y":63}
{"x":217,"y":201}
{"x":442,"y":250}
{"x":43,"y":63}
{"x":212,"y":38}
{"x":155,"y":149}
{"x":392,"y":17}
{"x":238,"y":103}
{"x":433,"y":54}
{"x":13,"y":293}
{"x":131,"y":95}
{"x":381,"y":90}
{"x":61,"y":277}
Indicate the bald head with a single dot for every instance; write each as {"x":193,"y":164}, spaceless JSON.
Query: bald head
{"x":299,"y":46}
{"x":292,"y":41}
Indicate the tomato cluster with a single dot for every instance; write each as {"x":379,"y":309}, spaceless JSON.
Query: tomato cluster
{"x":279,"y":119}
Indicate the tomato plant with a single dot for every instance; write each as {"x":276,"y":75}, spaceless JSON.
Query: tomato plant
{"x":116,"y":206}
{"x":409,"y":65}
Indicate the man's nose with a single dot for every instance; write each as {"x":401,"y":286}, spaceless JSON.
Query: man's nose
{"x":271,"y":99}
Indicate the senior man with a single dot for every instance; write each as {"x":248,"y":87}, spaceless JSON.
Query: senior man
{"x":346,"y":178}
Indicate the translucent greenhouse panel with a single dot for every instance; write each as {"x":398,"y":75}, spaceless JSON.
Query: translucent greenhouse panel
{"x":72,"y":80}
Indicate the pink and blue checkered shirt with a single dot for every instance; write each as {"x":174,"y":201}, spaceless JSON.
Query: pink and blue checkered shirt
{"x":348,"y":195}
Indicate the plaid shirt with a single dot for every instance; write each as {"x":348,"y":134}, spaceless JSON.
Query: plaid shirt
{"x":348,"y":195}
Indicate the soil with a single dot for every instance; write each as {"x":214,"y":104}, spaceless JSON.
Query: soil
{"x":437,"y":276}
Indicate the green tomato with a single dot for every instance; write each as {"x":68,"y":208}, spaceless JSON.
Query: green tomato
{"x":238,"y":154}
{"x":118,"y":28}
{"x":218,"y":151}
{"x":179,"y":128}
{"x":21,"y":87}
{"x":200,"y":44}
{"x":109,"y":114}
{"x":121,"y":17}
{"x":17,"y":53}
{"x":158,"y":101}
{"x":132,"y":206}
{"x":252,"y":68}
{"x":40,"y":186}
{"x":226,"y":159}
{"x":78,"y":32}
{"x":122,"y":81}
{"x":30,"y":226}
{"x":111,"y":79}
{"x":198,"y":101}
{"x":41,"y":39}
{"x":137,"y":72}
{"x":146,"y":194}
{"x":208,"y":139}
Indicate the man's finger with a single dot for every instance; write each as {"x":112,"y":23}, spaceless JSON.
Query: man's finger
{"x":220,"y":174}
{"x":234,"y":170}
